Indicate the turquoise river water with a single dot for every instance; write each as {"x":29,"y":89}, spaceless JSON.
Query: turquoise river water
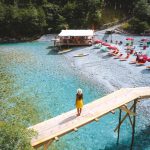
{"x":50,"y":82}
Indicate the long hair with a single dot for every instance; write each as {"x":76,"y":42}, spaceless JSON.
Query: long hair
{"x":79,"y":96}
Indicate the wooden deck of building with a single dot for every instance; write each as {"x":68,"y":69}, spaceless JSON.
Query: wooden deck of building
{"x":54,"y":128}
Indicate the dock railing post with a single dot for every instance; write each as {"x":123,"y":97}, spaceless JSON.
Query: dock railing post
{"x":120,"y":111}
{"x":133,"y":125}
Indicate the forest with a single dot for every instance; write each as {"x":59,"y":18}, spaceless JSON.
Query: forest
{"x":32,"y":18}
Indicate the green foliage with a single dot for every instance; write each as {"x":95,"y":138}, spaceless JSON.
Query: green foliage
{"x":32,"y":20}
{"x":94,"y":14}
{"x":138,"y":26}
{"x":14,"y":137}
{"x":17,"y":113}
{"x":111,"y":15}
{"x":89,"y":16}
{"x":30,"y":17}
{"x":126,"y":26}
{"x":26,"y":18}
{"x":141,"y":20}
{"x":24,"y":21}
{"x":15,"y":116}
{"x":69,"y":11}
{"x":142,"y":10}
{"x":2,"y":14}
{"x":54,"y":17}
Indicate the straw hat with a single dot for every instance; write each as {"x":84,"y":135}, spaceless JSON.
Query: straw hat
{"x":79,"y":91}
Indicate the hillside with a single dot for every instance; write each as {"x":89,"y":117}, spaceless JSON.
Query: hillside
{"x":25,"y":20}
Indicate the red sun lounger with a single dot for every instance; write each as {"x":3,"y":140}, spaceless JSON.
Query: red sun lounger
{"x":124,"y":59}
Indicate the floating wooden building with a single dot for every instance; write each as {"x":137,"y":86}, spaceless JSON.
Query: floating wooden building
{"x":74,"y":38}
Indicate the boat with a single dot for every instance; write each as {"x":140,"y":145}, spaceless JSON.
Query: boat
{"x":64,"y":51}
{"x":81,"y":55}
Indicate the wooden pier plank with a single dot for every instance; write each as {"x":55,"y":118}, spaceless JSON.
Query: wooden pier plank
{"x":67,"y":122}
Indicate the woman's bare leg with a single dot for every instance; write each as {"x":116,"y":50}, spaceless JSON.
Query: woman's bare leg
{"x":78,"y":111}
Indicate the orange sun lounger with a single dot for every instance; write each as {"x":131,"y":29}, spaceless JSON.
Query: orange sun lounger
{"x":118,"y":57}
{"x":139,"y":64}
{"x":132,"y":62}
{"x":124,"y":59}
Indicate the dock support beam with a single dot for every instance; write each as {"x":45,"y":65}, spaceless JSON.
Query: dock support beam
{"x":46,"y":145}
{"x":132,"y":121}
{"x":133,"y":125}
{"x":122,"y":120}
{"x":120,"y":111}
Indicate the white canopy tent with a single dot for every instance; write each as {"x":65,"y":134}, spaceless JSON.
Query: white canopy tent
{"x":76,"y":33}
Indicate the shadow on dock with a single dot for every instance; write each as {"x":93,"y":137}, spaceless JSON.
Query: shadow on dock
{"x":68,"y":119}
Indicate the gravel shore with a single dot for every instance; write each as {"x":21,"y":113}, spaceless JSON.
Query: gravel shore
{"x":111,"y":74}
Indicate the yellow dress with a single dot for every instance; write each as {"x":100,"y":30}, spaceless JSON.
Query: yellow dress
{"x":79,"y":103}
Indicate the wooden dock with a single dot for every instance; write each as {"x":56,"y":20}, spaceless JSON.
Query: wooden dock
{"x":56,"y":127}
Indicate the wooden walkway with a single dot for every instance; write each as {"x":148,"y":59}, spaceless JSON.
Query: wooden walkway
{"x":52,"y":129}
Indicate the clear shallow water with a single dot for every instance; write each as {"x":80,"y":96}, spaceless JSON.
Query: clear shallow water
{"x":50,"y":82}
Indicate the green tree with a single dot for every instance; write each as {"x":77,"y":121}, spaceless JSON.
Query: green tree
{"x":54,"y":17}
{"x":28,"y":18}
{"x":2,"y":12}
{"x":17,"y":113}
{"x":69,"y":13}
{"x":94,"y":14}
{"x":83,"y":14}
{"x":142,"y":10}
{"x":141,"y":20}
{"x":138,"y":26}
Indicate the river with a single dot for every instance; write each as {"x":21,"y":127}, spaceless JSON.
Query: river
{"x":50,"y":83}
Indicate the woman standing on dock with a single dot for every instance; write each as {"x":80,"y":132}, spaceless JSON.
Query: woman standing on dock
{"x":79,"y":101}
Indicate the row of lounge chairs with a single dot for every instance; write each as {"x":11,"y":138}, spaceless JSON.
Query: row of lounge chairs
{"x":140,"y":59}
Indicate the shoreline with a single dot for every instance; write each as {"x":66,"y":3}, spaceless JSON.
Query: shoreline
{"x":109,"y":73}
{"x":86,"y":75}
{"x":8,"y":40}
{"x":105,"y":70}
{"x":101,"y":69}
